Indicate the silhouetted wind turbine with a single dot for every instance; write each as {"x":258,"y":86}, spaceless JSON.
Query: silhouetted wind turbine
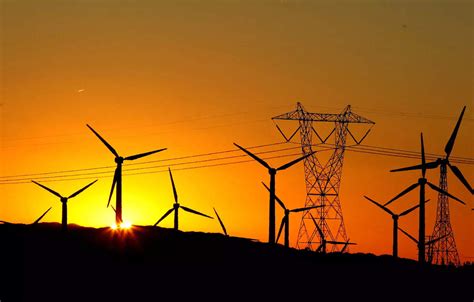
{"x":443,"y":162}
{"x":272,"y":172}
{"x":421,"y":183}
{"x":285,"y":221}
{"x":322,"y":246}
{"x":64,"y":200}
{"x":34,"y":222}
{"x":395,"y":222}
{"x":428,"y":243}
{"x":118,"y":174}
{"x":221,"y":223}
{"x":177,"y":206}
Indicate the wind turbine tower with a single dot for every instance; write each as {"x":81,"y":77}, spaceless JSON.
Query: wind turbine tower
{"x":323,"y":180}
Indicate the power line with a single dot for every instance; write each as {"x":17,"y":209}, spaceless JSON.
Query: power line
{"x":165,"y":170}
{"x":146,"y":168}
{"x":140,"y":163}
{"x":366,"y":149}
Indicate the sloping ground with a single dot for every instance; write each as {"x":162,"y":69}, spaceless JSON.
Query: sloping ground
{"x":154,"y":264}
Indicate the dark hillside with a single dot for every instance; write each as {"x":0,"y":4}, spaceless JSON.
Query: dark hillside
{"x":155,"y":264}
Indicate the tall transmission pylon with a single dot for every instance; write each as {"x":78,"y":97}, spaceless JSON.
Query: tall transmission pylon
{"x":322,"y":181}
{"x":443,"y":251}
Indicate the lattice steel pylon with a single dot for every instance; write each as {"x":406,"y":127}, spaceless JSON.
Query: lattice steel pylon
{"x":323,"y":181}
{"x":444,"y":251}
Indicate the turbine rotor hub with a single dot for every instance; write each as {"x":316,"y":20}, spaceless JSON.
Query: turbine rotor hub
{"x":63,"y":199}
{"x":119,"y":160}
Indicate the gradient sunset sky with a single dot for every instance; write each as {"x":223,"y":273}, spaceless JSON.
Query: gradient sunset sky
{"x":196,"y":76}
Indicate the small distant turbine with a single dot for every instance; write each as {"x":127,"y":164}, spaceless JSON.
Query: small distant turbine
{"x":272,"y":172}
{"x":177,"y":206}
{"x":34,"y":222}
{"x":428,"y":243}
{"x":395,"y":222}
{"x":322,"y":246}
{"x":64,"y":201}
{"x":285,"y":221}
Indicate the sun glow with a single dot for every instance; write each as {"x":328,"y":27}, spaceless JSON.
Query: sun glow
{"x":123,"y":226}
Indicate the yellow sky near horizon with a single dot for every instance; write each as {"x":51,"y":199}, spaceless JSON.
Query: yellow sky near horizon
{"x":196,"y":76}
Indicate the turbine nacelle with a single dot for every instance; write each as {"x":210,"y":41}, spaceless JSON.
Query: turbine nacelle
{"x":119,"y":160}
{"x":63,"y":199}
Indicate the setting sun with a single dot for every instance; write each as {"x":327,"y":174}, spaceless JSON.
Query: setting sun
{"x":123,"y":226}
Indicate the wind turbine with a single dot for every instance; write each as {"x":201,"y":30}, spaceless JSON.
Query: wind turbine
{"x":428,"y":243}
{"x":443,"y":163}
{"x":118,"y":174}
{"x":285,"y":221}
{"x":34,"y":222}
{"x":272,"y":171}
{"x":221,"y":223}
{"x":322,"y":246}
{"x":395,"y":222}
{"x":64,"y":200}
{"x":422,"y":182}
{"x":177,"y":206}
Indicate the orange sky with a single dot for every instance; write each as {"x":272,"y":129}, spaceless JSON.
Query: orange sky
{"x":196,"y":76}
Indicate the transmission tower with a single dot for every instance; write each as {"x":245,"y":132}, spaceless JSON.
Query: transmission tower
{"x":444,"y":251}
{"x":322,"y":181}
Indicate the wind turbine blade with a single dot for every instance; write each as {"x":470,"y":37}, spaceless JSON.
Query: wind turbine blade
{"x":345,"y":246}
{"x":114,"y":181}
{"x":435,"y":240}
{"x":410,"y":188}
{"x":276,"y":197}
{"x":319,"y":248}
{"x":220,"y":221}
{"x":261,"y":161}
{"x":164,"y":216}
{"x":48,"y":189}
{"x":133,"y":157}
{"x":321,"y":234}
{"x":304,"y":209}
{"x":408,"y":235}
{"x":430,"y":165}
{"x":423,"y":160}
{"x":459,"y":175}
{"x":75,"y":194}
{"x":283,"y":221}
{"x":379,"y":205}
{"x":291,"y":163}
{"x":410,"y":210}
{"x":41,"y":217}
{"x":444,"y":192}
{"x":340,"y":242}
{"x":195,"y":212}
{"x":174,"y":187}
{"x":104,"y":141}
{"x":450,"y":143}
